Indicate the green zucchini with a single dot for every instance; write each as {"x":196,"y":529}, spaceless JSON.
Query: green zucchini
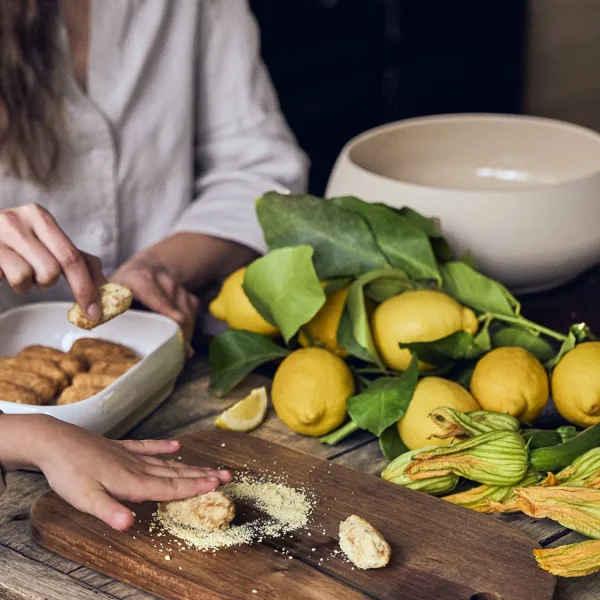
{"x":559,"y":456}
{"x":541,"y":438}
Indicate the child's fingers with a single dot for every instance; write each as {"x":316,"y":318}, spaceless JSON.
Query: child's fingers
{"x":151,"y":447}
{"x":223,"y":475}
{"x":161,"y":489}
{"x":166,"y":470}
{"x":107,"y":509}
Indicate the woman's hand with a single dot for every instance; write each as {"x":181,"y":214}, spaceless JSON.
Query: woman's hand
{"x":91,"y":472}
{"x":157,"y":288}
{"x":35,"y":251}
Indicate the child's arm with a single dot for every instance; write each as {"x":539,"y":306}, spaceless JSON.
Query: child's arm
{"x":90,"y":471}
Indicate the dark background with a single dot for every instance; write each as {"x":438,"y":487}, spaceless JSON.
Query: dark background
{"x":344,"y":66}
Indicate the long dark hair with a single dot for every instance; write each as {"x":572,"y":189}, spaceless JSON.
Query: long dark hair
{"x":31,"y":116}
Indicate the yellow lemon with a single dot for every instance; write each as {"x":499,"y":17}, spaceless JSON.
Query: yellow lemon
{"x":416,"y":429}
{"x":513,"y":381}
{"x":419,"y":316}
{"x":310,"y":391}
{"x":322,"y":329}
{"x":233,"y":306}
{"x":576,"y":385}
{"x":247,"y":414}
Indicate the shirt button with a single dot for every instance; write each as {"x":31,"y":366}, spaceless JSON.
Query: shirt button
{"x":106,"y":236}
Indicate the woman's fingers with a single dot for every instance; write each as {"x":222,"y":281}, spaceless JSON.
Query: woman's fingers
{"x":70,"y":259}
{"x":17,"y":271}
{"x":150,"y":447}
{"x":103,"y":506}
{"x":146,"y":289}
{"x":94,"y":265}
{"x":188,"y":305}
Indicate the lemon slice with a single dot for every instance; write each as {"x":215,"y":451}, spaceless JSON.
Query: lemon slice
{"x":247,"y":414}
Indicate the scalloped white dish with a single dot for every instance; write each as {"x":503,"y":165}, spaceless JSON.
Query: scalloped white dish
{"x":134,"y":395}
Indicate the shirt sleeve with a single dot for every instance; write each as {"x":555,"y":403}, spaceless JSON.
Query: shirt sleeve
{"x":243,"y":145}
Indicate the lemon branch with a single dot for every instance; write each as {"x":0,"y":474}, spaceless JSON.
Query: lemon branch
{"x":339,"y":434}
{"x":526,"y":323}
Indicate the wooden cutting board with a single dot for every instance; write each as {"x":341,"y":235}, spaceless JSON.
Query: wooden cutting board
{"x":440,"y":551}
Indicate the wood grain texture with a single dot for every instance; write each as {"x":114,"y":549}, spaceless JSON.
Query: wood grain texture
{"x":439,"y":550}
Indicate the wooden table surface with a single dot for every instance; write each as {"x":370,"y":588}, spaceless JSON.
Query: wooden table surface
{"x":28,"y":572}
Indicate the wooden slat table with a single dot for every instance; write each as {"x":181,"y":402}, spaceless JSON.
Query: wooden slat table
{"x":28,"y":572}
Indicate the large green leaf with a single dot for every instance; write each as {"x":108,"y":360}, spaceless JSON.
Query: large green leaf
{"x":346,"y":339}
{"x":385,"y":401}
{"x":429,"y":225}
{"x":235,"y":354}
{"x":343,"y":242}
{"x":405,"y":245}
{"x":357,"y":308}
{"x":514,"y":336}
{"x":478,"y":291}
{"x":283,"y":286}
{"x":456,"y":346}
{"x":391,"y":444}
{"x":387,"y":285}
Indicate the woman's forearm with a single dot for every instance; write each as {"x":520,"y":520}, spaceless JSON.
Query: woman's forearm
{"x":197,"y":259}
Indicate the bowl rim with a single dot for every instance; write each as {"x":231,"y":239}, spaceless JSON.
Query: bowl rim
{"x":449,"y":117}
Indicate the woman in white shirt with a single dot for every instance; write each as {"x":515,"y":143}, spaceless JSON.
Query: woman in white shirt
{"x":139,"y":132}
{"x":146,"y":129}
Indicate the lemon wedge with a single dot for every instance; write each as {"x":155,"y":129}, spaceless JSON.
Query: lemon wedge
{"x":247,"y":414}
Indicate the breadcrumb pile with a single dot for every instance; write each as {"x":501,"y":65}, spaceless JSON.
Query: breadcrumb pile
{"x":283,"y":509}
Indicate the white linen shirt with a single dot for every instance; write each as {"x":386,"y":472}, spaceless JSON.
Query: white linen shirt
{"x":180,"y":130}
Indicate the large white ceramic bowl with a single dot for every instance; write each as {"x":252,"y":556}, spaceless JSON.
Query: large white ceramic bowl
{"x":119,"y":407}
{"x":522,"y":194}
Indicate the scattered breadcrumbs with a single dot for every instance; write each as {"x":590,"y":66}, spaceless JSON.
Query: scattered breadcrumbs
{"x":285,"y":509}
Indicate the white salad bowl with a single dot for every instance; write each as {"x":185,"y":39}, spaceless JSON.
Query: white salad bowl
{"x":134,"y":395}
{"x":522,"y":194}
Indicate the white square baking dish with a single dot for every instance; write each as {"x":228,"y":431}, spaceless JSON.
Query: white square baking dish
{"x":132,"y":397}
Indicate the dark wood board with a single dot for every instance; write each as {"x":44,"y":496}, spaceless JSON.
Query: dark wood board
{"x":440,"y":550}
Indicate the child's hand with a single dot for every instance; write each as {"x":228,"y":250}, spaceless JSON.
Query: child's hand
{"x":90,"y":471}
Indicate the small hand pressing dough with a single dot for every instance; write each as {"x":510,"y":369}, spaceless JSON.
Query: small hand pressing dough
{"x":364,"y":546}
{"x":210,"y":511}
{"x":115,"y":300}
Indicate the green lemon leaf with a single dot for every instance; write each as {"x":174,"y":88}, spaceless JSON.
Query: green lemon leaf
{"x":335,"y":285}
{"x":391,"y":443}
{"x":476,"y":290}
{"x":235,"y":354}
{"x":347,"y":341}
{"x":429,"y":225}
{"x":359,"y":317}
{"x":385,"y":401}
{"x":388,"y":285}
{"x":405,"y":245}
{"x":514,"y":336}
{"x":283,"y":286}
{"x":343,"y":242}
{"x":577,"y":333}
{"x":456,"y":346}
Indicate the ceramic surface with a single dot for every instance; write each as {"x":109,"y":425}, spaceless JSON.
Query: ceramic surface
{"x":157,"y":339}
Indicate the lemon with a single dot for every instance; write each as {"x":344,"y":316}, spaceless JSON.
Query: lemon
{"x":310,"y":391}
{"x":322,"y":329}
{"x":417,"y":316}
{"x":233,"y":306}
{"x":513,"y":381}
{"x":247,"y":414}
{"x":576,"y":385}
{"x":416,"y":428}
